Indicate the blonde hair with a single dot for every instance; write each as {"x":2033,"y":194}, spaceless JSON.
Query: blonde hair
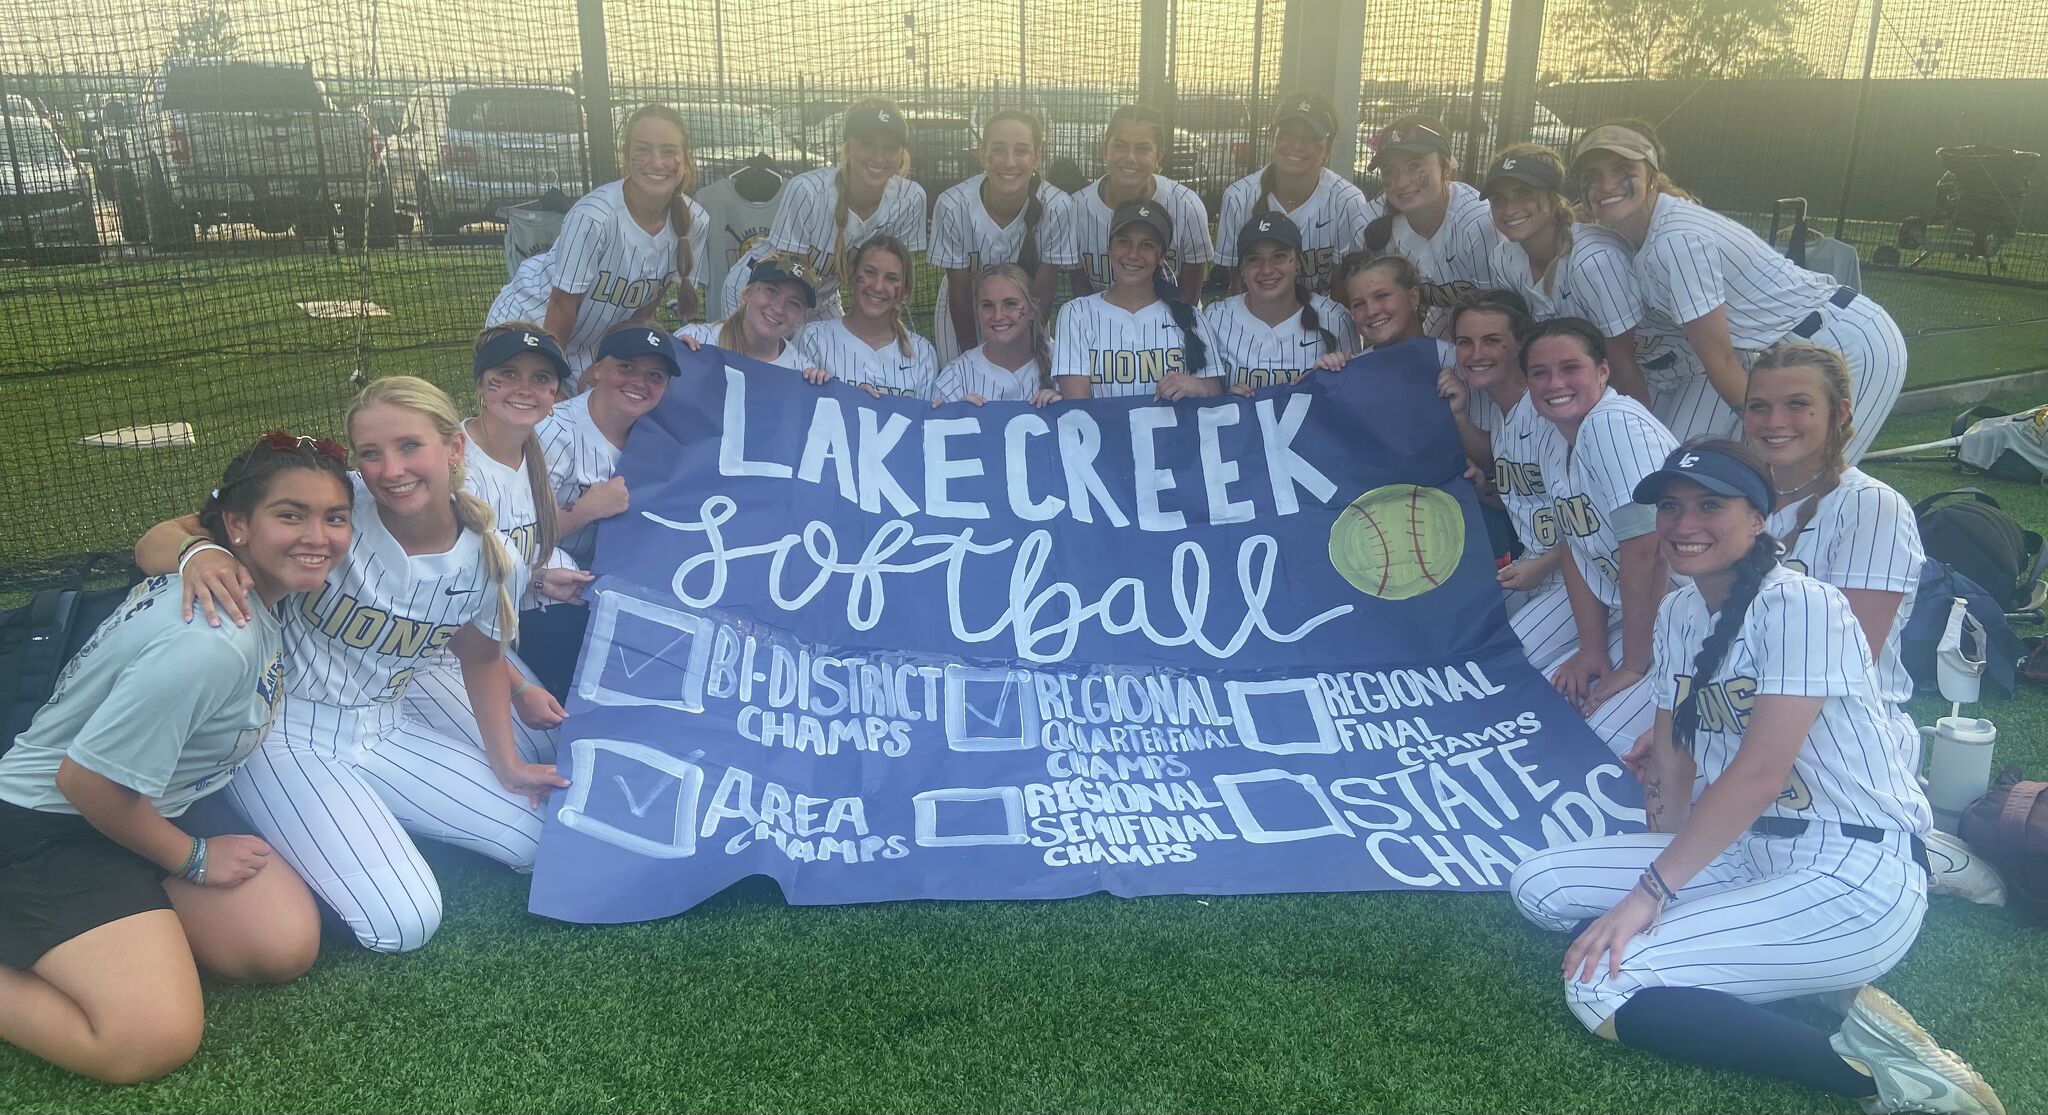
{"x":417,"y":395}
{"x":544,"y":531}
{"x":679,"y":217}
{"x":1041,"y":345}
{"x":842,"y":206}
{"x":883,"y":242}
{"x":1562,"y":216}
{"x":1836,"y":384}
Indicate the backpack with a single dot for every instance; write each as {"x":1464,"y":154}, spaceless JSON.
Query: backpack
{"x":2006,"y":446}
{"x":1921,"y":636}
{"x":36,"y":640}
{"x":1978,"y":539}
{"x":2009,"y":827}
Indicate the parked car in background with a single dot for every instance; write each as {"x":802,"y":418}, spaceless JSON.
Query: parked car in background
{"x":1456,"y":113}
{"x":1234,"y":140}
{"x":250,"y":142}
{"x":723,"y":137}
{"x":466,"y":151}
{"x":46,"y":197}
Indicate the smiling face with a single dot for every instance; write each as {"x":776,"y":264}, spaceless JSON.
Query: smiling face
{"x":773,"y":311}
{"x":1298,"y":150}
{"x":1134,"y":255}
{"x":870,"y":163}
{"x":296,"y":533}
{"x":1010,"y":156}
{"x":881,"y":281}
{"x":1616,"y":189}
{"x":656,"y":156}
{"x":632,"y":386}
{"x":1270,"y":269}
{"x":1790,"y":416}
{"x":1519,"y":212}
{"x":406,"y":463}
{"x":1131,"y":155}
{"x":1564,"y":380}
{"x":1382,"y":310}
{"x":1005,"y":311}
{"x":1487,"y":350}
{"x":520,"y":392}
{"x":1416,"y":182}
{"x":1704,"y":534}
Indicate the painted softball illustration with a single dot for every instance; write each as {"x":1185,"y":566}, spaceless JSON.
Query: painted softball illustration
{"x":1398,"y":540}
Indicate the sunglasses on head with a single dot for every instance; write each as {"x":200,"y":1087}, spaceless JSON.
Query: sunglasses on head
{"x":282,"y":442}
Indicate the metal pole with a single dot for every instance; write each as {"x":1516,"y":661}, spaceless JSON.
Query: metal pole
{"x":597,"y":91}
{"x":1258,"y":45}
{"x":718,"y":45}
{"x":1023,"y":71}
{"x":1519,"y":70}
{"x":1475,"y":116}
{"x":1347,"y":74}
{"x":1152,"y":50}
{"x":1856,"y":123}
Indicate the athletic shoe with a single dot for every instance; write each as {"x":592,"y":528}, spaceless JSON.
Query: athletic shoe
{"x":1912,"y":1072}
{"x":1952,"y":868}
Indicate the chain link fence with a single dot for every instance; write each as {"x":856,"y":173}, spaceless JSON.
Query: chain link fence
{"x":216,"y":218}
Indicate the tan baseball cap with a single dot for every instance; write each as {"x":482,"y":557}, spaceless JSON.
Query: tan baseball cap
{"x":1620,"y":139}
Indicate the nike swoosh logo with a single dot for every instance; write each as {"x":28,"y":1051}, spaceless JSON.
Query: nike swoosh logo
{"x":459,"y":591}
{"x":1523,"y":434}
{"x":1311,"y":341}
{"x":1323,"y":223}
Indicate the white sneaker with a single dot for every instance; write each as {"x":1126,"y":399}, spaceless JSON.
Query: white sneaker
{"x":1912,"y":1071}
{"x":1953,"y":868}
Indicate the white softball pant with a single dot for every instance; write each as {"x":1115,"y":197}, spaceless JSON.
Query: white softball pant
{"x":1622,"y":717}
{"x":1871,"y":344}
{"x":1770,"y":918}
{"x":437,"y":701}
{"x":337,"y":791}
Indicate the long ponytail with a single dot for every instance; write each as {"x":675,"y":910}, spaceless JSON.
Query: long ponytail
{"x":1193,"y":347}
{"x":1028,"y":255}
{"x":1310,"y":319}
{"x":1749,"y":576}
{"x":1041,"y":341}
{"x":545,"y":533}
{"x":679,"y":216}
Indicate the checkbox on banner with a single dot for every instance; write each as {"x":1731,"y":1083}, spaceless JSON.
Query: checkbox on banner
{"x":967,"y":817}
{"x":641,"y":653}
{"x":1285,"y":717}
{"x":989,"y":709}
{"x":1274,"y":806}
{"x":633,"y":796}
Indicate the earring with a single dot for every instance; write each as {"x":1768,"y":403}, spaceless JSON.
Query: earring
{"x":238,"y":540}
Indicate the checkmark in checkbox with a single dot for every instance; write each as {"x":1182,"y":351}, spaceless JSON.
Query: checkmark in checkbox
{"x":990,"y":709}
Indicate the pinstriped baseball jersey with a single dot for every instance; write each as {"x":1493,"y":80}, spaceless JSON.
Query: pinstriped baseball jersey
{"x":735,"y":224}
{"x":1124,"y":354}
{"x":1862,"y":536}
{"x":383,"y":613}
{"x":1259,"y":355}
{"x":1694,"y":260}
{"x":604,"y":255}
{"x":510,"y":495}
{"x":834,"y":347}
{"x":1191,"y":243}
{"x":1332,"y":222}
{"x":1455,"y":261}
{"x":1619,"y":443}
{"x":1521,"y":444}
{"x":1596,"y":280}
{"x":1798,"y":639}
{"x":965,"y":237}
{"x":804,"y":227}
{"x":975,"y":374}
{"x":793,"y":354}
{"x":578,"y":455}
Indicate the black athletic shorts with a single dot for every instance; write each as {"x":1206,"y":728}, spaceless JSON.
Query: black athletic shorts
{"x":60,"y":877}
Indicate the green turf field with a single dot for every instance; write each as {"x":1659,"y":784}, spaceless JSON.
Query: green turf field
{"x":1392,"y":1002}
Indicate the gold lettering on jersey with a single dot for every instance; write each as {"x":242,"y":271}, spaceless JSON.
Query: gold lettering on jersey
{"x":901,"y":392}
{"x":404,"y":638}
{"x":1098,"y":268}
{"x":1544,"y":524}
{"x":1796,"y":794}
{"x":1445,"y":295}
{"x":1577,"y":516}
{"x":1270,"y":377}
{"x":1317,"y":264}
{"x":618,"y":290}
{"x":1795,"y":565}
{"x":1724,"y":706}
{"x":1522,"y":478}
{"x":525,"y":541}
{"x":1125,"y":366}
{"x":342,"y":617}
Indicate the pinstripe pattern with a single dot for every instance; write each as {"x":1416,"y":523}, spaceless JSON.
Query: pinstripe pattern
{"x":1870,"y":342}
{"x":1862,"y":536}
{"x":791,"y":356}
{"x":975,"y":374}
{"x":1332,"y":222}
{"x":1191,"y":243}
{"x":1123,"y":354}
{"x":803,"y":227}
{"x":1680,"y":395}
{"x":1544,"y":625}
{"x":966,"y":238}
{"x":1259,"y":355}
{"x":603,"y":254}
{"x":1455,"y":261}
{"x":1596,"y":280}
{"x":1618,"y":444}
{"x":578,"y":456}
{"x":734,"y":225}
{"x":834,"y":347}
{"x":1522,"y":441}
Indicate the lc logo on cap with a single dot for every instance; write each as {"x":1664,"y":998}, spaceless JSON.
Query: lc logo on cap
{"x":1507,"y":164}
{"x":1689,"y":460}
{"x":883,"y":116}
{"x":1265,"y":225}
{"x":1305,"y":107}
{"x":653,"y":338}
{"x":530,"y":340}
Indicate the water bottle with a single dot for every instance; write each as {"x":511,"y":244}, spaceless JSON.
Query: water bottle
{"x":1958,"y":766}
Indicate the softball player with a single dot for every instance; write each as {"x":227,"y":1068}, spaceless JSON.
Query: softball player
{"x":1784,"y":856}
{"x":1733,"y":294}
{"x":619,"y":246}
{"x":108,"y":905}
{"x":771,"y":308}
{"x":1011,"y":363}
{"x":1616,"y":575}
{"x":1560,"y":267}
{"x":1006,"y":214}
{"x":1328,"y":210}
{"x":1440,"y":224}
{"x":826,"y":211}
{"x":1837,"y":524}
{"x":1135,"y":338}
{"x":1276,"y":330}
{"x":871,"y":347}
{"x":1384,"y":298}
{"x":345,"y":777}
{"x":1133,"y":146}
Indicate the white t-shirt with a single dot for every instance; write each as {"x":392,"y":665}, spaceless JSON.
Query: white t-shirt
{"x":735,"y":226}
{"x":1332,"y":222}
{"x":1191,"y":243}
{"x":1595,"y":280}
{"x":975,"y":374}
{"x":1260,"y":355}
{"x":1619,"y":443}
{"x":1124,"y":354}
{"x":965,"y":237}
{"x":886,"y":369}
{"x":804,"y":227}
{"x":1455,"y":261}
{"x":1862,"y":535}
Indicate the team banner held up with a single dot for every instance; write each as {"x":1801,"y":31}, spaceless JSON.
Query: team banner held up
{"x":877,"y":650}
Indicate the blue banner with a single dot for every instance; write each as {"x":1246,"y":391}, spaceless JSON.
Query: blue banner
{"x":879,"y":650}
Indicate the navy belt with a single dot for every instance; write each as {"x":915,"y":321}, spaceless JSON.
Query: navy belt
{"x":1811,"y":325}
{"x":1661,"y":361}
{"x":1797,"y":826}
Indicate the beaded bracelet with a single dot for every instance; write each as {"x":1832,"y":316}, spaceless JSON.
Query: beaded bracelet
{"x":194,"y":870}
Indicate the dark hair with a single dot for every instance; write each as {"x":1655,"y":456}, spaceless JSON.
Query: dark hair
{"x":1269,"y":177}
{"x":1577,"y":328}
{"x":1379,"y":232}
{"x":1660,"y":182}
{"x":679,"y":202}
{"x":245,"y":483}
{"x":1140,"y":114}
{"x":1195,"y":349}
{"x":1750,"y":570}
{"x":1507,"y":303}
{"x":1034,"y":207}
{"x":1310,"y":319}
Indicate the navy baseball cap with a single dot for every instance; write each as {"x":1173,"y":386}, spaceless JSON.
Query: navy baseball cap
{"x":503,"y":347}
{"x":874,"y":120}
{"x":1712,"y":469}
{"x":1271,"y":226}
{"x":786,"y":269}
{"x":1531,"y":171}
{"x":1411,"y":137}
{"x":1146,"y":212}
{"x":1304,"y":109}
{"x":626,"y":344}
